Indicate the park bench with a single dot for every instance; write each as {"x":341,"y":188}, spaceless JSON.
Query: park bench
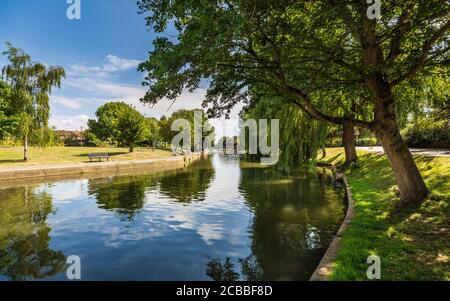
{"x":99,"y":156}
{"x":181,"y":151}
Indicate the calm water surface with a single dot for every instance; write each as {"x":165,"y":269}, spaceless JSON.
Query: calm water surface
{"x":221,"y":219}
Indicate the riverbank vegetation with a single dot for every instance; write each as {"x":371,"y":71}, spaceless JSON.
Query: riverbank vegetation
{"x":412,"y":243}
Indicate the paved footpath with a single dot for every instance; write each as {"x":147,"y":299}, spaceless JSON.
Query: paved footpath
{"x":415,"y":151}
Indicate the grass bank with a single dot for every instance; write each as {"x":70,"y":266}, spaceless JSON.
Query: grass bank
{"x":13,"y":156}
{"x":413,"y":244}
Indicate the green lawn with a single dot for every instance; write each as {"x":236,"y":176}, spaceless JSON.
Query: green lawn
{"x":12,"y":156}
{"x":413,"y":244}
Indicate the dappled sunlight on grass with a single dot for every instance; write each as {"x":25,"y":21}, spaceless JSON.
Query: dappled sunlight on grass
{"x":408,"y":242}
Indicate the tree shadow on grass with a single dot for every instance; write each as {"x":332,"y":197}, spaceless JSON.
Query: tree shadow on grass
{"x":11,"y":161}
{"x":417,"y":233}
{"x":333,"y":159}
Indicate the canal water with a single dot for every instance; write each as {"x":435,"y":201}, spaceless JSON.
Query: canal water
{"x":220,"y":219}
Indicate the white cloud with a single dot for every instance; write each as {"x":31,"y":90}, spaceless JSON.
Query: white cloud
{"x":121,"y":63}
{"x":211,"y":232}
{"x":69,"y":123}
{"x":97,"y":87}
{"x":66,"y":102}
{"x":113,"y":64}
{"x":112,"y":91}
{"x":103,"y":91}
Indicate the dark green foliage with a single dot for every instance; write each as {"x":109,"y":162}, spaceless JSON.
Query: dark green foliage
{"x":131,"y":128}
{"x":105,"y":127}
{"x":308,"y":52}
{"x":428,"y":132}
{"x":118,"y":123}
{"x":7,"y":121}
{"x":367,"y":142}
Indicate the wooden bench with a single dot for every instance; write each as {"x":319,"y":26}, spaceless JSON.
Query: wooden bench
{"x":99,"y":156}
{"x":181,"y":151}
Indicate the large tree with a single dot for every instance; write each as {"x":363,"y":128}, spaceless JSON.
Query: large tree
{"x":106,"y":126}
{"x":119,"y":123}
{"x":131,"y":128}
{"x":31,"y":83}
{"x":303,"y":50}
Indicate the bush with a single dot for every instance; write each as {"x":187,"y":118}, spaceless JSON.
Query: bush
{"x":428,"y":133}
{"x":367,"y":142}
{"x":10,"y":142}
{"x":334,"y":142}
{"x":92,"y":140}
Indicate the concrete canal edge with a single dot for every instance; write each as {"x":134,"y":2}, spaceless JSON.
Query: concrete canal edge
{"x":325,"y":267}
{"x":55,"y":170}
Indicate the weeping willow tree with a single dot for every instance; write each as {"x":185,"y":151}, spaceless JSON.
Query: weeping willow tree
{"x":31,"y":83}
{"x":423,"y":95}
{"x":301,"y":137}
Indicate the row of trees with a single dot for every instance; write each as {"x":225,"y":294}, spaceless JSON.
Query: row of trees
{"x":25,"y":110}
{"x":120,"y":124}
{"x":325,"y":57}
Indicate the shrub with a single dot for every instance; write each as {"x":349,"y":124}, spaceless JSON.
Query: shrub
{"x":92,"y":140}
{"x":367,"y":142}
{"x":428,"y":132}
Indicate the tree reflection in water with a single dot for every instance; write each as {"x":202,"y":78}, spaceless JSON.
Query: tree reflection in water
{"x":189,"y":185}
{"x":25,"y":235}
{"x":254,"y":224}
{"x":248,"y":270}
{"x":126,"y":195}
{"x":287,"y":215}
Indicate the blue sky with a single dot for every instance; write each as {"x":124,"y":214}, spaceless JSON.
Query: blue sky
{"x":100,"y":53}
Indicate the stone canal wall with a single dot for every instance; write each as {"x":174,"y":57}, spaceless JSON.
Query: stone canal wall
{"x":325,"y":267}
{"x":57,"y":170}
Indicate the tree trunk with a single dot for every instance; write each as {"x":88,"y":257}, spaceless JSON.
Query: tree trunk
{"x":348,"y":139}
{"x":25,"y":149}
{"x":131,"y":149}
{"x":409,"y":180}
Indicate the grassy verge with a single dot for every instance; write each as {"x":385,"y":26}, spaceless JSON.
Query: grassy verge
{"x":12,"y":156}
{"x":413,"y":244}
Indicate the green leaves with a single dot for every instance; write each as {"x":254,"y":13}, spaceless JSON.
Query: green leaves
{"x":118,"y":122}
{"x":189,"y":115}
{"x":315,"y":47}
{"x":131,"y":127}
{"x":30,"y":85}
{"x":7,"y":121}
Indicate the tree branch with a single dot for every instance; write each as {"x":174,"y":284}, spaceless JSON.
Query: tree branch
{"x":422,"y":59}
